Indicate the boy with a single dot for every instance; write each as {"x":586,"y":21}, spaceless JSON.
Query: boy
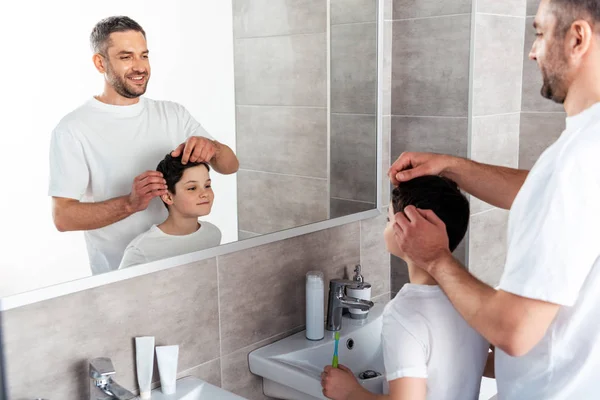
{"x":429,"y":351}
{"x":189,"y":196}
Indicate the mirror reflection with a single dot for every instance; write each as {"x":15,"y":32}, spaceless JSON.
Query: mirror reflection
{"x":167,"y":129}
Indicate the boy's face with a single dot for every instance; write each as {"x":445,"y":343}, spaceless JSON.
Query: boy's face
{"x":193,"y":193}
{"x":388,"y":233}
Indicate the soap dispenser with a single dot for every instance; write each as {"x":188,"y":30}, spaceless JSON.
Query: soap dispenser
{"x":363,"y":292}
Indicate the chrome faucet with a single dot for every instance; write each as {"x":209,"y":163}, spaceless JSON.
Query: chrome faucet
{"x":338,"y":301}
{"x":102,"y":385}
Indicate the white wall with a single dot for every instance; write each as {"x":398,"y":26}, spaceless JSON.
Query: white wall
{"x":46,"y":71}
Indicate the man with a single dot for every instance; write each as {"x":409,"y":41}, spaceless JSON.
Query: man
{"x":544,"y":319}
{"x":99,"y":152}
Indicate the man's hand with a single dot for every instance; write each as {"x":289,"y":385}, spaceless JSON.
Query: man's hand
{"x":145,"y":187}
{"x":339,"y":383}
{"x":196,"y":149}
{"x":412,"y":165}
{"x":421,"y":237}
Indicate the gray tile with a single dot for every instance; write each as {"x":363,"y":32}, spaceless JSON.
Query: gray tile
{"x":382,"y":298}
{"x":52,"y":341}
{"x":494,"y":140}
{"x":354,"y":157}
{"x":487,"y":246}
{"x":209,"y":372}
{"x":387,"y":9}
{"x":237,"y":377}
{"x":343,"y":207}
{"x":374,"y":257}
{"x":276,"y":283}
{"x":246,"y":235}
{"x":282,"y":70}
{"x":497,"y":66}
{"x":386,"y":95}
{"x":352,"y":11}
{"x":354,"y":68}
{"x":532,"y":78}
{"x":386,"y":162}
{"x":538,"y":131}
{"x":429,"y":8}
{"x":532,"y":7}
{"x":437,"y":135}
{"x":514,"y":8}
{"x":253,"y":18}
{"x":430,"y":66}
{"x":273,"y":202}
{"x":286,"y":140}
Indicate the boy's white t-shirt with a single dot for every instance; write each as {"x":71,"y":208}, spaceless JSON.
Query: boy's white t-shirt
{"x":98,"y":149}
{"x":554,"y":256}
{"x":425,"y":337}
{"x":156,"y":245}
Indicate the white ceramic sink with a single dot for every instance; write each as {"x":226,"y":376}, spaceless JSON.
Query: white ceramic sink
{"x":291,"y":367}
{"x":190,"y":388}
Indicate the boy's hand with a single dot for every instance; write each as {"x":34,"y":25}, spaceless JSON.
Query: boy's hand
{"x":339,"y":383}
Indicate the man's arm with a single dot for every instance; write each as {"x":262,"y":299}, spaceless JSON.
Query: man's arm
{"x":73,"y":215}
{"x":492,"y":184}
{"x":512,"y":323}
{"x":224,"y":161}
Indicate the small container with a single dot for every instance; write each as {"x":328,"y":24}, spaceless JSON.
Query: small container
{"x":364,"y":292}
{"x":315,"y":306}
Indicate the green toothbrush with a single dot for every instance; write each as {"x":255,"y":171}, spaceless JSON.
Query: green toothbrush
{"x":334,"y":363}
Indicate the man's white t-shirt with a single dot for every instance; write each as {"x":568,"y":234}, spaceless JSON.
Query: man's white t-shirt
{"x":425,"y":337}
{"x":554,"y":256}
{"x":98,"y":149}
{"x":156,"y":245}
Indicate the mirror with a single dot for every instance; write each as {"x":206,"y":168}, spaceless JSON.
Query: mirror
{"x":294,"y":100}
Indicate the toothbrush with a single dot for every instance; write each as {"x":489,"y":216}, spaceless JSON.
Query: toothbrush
{"x":334,"y":363}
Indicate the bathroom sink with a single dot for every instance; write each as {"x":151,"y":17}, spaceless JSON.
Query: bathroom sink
{"x":191,"y":388}
{"x":291,"y":368}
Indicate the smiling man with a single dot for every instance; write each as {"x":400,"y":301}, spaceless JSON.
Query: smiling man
{"x":103,"y":154}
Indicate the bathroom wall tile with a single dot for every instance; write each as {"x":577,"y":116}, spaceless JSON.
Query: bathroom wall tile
{"x":282,"y":70}
{"x":498,"y":65}
{"x":487,"y":246}
{"x":279,"y":202}
{"x":294,"y":138}
{"x":354,"y":68}
{"x":387,"y":9}
{"x":532,"y":78}
{"x":342,"y":207}
{"x":374,"y":257}
{"x":237,"y":377}
{"x":494,"y":140}
{"x":253,"y":18}
{"x":52,"y":341}
{"x":246,"y":235}
{"x":538,"y":131}
{"x":209,"y":372}
{"x":386,"y":160}
{"x":429,"y":8}
{"x":354,"y":157}
{"x":532,"y":7}
{"x":261,"y":290}
{"x":353,"y":11}
{"x":430,"y":66}
{"x":438,"y":135}
{"x":386,"y":92}
{"x":515,"y":8}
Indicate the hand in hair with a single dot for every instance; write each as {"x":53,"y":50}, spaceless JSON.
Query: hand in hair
{"x":196,"y":149}
{"x":412,"y":165}
{"x":145,"y":187}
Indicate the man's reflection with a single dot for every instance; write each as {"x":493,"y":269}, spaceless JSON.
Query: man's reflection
{"x":189,"y":197}
{"x":99,"y":152}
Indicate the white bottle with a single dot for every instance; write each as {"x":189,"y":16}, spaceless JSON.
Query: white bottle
{"x":363,"y":293}
{"x":315,"y":306}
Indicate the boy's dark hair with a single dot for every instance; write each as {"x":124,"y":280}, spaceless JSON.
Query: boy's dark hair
{"x":100,"y":36}
{"x":568,"y":11}
{"x":442,"y":196}
{"x":172,"y":170}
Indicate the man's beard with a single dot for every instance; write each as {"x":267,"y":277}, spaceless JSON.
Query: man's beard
{"x":122,"y":87}
{"x":554,"y":85}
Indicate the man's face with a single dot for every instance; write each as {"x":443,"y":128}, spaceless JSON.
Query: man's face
{"x":549,"y":51}
{"x":193,"y":193}
{"x":127,"y":68}
{"x":388,"y":233}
